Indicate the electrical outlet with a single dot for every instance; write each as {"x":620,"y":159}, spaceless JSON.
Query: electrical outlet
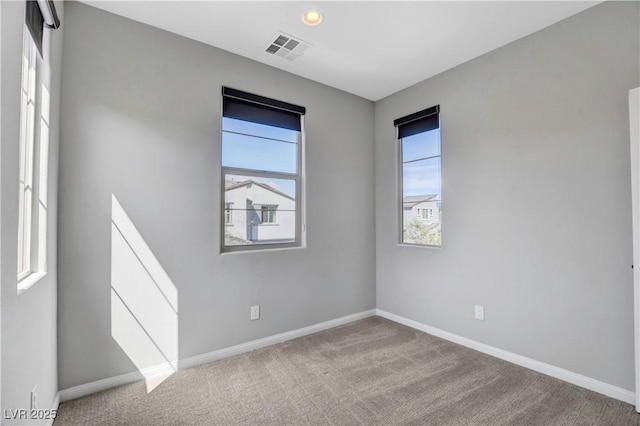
{"x":255,"y":312}
{"x":34,"y":398}
{"x":480,"y":313}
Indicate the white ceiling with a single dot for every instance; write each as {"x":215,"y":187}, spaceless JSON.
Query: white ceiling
{"x":368,"y":48}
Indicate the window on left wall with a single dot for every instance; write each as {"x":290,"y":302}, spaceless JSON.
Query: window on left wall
{"x":33,"y":153}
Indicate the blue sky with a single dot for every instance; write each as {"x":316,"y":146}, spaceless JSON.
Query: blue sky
{"x":278,"y":153}
{"x":421,"y":175}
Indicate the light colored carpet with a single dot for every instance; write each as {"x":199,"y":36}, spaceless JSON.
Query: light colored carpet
{"x":371,"y":372}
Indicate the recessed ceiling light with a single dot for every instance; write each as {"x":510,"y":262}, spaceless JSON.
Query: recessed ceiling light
{"x":312,"y":17}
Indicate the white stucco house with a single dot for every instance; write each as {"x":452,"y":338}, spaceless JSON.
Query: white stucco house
{"x":257,"y":213}
{"x":424,"y":208}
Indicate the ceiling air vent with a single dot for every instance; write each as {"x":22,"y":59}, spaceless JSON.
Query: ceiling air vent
{"x":287,"y":47}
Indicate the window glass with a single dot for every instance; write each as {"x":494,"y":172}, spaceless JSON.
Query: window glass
{"x":261,"y":173}
{"x":256,"y":203}
{"x":27,"y":148}
{"x":421,"y":177}
{"x":277,"y":148}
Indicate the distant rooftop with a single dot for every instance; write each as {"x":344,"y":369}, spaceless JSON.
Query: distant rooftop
{"x":229,"y":185}
{"x":413,"y":200}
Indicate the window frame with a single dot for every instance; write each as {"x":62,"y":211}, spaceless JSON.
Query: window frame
{"x":270,"y":208}
{"x":28,"y":103}
{"x":297,"y":177}
{"x":31,"y":258}
{"x":400,"y":175}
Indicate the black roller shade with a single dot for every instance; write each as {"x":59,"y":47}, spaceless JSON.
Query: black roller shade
{"x":52,"y":14}
{"x":258,"y":109}
{"x":418,"y":122}
{"x":35,"y":23}
{"x":35,"y":19}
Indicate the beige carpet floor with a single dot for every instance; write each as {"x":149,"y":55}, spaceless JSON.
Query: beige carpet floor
{"x":371,"y":372}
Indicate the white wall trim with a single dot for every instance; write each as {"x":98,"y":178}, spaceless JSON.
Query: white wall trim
{"x":271,"y":340}
{"x":54,"y":407}
{"x":634,"y":149}
{"x":541,"y":367}
{"x":123,"y":379}
{"x":100,"y":385}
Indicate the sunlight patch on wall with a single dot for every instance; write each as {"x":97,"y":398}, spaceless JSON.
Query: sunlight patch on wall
{"x":43,"y":177}
{"x":144,"y":302}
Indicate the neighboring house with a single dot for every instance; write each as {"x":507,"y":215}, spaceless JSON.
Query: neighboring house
{"x":257,"y":213}
{"x":423,"y":208}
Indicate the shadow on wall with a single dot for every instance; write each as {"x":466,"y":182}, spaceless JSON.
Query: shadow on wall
{"x":144,"y":302}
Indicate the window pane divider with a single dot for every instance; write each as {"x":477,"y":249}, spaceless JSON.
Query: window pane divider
{"x":422,"y":159}
{"x":248,"y":210}
{"x":259,"y":173}
{"x":259,"y":137}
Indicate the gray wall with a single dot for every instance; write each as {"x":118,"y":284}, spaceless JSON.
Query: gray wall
{"x":537,"y":201}
{"x":29,"y":347}
{"x":537,"y":217}
{"x":141,"y":121}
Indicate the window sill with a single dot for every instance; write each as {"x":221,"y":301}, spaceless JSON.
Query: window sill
{"x":427,"y":246}
{"x":269,"y":224}
{"x":261,"y":249}
{"x":29,"y":281}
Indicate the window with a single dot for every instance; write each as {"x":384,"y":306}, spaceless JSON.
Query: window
{"x":269,"y":214}
{"x":27,"y":142}
{"x":420,"y":178}
{"x":228,"y":217}
{"x":32,"y":168}
{"x":261,"y":163}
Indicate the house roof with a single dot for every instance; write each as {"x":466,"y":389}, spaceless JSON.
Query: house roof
{"x":413,"y":200}
{"x":233,"y":185}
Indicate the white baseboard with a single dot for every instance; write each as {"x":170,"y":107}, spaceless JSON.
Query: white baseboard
{"x":99,"y":385}
{"x":123,"y":379}
{"x":541,"y":367}
{"x":271,"y":340}
{"x":54,"y":408}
